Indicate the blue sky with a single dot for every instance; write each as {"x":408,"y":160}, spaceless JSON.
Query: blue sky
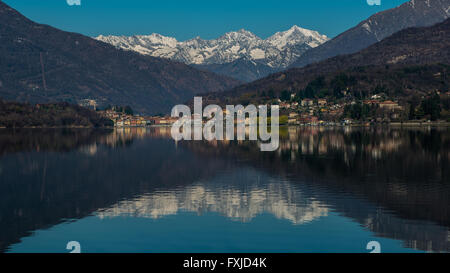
{"x":184,"y":19}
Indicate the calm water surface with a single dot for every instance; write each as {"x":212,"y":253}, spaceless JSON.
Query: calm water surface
{"x":136,"y":190}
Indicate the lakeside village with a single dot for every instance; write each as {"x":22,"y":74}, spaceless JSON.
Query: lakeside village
{"x":125,"y":117}
{"x":315,"y":112}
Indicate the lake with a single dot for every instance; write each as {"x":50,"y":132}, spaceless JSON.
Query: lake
{"x":137,"y":190}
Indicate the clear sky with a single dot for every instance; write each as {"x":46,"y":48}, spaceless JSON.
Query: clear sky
{"x":186,"y":19}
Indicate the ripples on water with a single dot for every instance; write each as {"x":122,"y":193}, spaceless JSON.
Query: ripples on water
{"x":391,"y":182}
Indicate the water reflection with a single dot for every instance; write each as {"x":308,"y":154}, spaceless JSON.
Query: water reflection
{"x":242,"y":203}
{"x":401,"y":175}
{"x":394,"y":182}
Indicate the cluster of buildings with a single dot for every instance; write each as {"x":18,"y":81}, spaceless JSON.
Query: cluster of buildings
{"x":125,"y":120}
{"x":387,"y":105}
{"x":309,"y":111}
{"x":323,"y":112}
{"x":88,"y":103}
{"x":122,"y":119}
{"x":303,"y":112}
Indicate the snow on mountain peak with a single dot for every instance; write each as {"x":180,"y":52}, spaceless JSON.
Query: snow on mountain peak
{"x":277,"y":51}
{"x":297,"y":35}
{"x":239,"y":35}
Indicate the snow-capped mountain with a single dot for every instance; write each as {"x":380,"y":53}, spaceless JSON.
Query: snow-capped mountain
{"x":276,"y":52}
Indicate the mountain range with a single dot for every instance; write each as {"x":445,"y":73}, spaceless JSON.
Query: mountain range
{"x":410,"y":62}
{"x":415,"y":13}
{"x":246,"y":57}
{"x":39,"y":63}
{"x":240,"y":54}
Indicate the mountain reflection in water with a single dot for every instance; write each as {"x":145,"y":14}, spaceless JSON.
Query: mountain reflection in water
{"x":393,"y":182}
{"x":242,"y":204}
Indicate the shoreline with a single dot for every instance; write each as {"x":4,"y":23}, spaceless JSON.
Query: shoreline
{"x":57,"y":127}
{"x":392,"y":124}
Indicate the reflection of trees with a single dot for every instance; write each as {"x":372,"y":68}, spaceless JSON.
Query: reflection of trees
{"x":58,"y":140}
{"x":402,"y":171}
{"x":65,"y":140}
{"x":39,"y":190}
{"x":394,"y":182}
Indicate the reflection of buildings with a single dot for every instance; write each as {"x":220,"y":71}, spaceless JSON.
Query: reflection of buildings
{"x":402,"y":193}
{"x":239,"y":203}
{"x":324,"y":140}
{"x":392,"y":181}
{"x":126,"y":135}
